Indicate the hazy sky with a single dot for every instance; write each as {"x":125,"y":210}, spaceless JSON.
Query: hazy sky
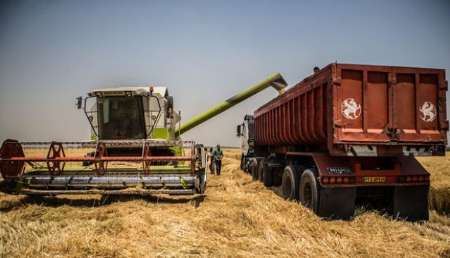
{"x":204,"y":51}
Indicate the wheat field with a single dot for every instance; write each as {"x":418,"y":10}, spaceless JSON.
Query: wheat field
{"x":238,"y":218}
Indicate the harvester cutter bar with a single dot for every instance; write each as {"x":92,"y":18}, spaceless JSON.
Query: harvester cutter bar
{"x":110,"y":192}
{"x":107,"y":182}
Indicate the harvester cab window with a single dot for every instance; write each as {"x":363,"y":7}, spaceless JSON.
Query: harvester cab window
{"x":121,"y":118}
{"x":154,"y":117}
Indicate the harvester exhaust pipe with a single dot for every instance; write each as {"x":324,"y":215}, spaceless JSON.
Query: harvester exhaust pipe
{"x":275,"y":80}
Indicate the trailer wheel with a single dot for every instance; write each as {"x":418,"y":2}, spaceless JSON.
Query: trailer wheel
{"x":254,"y":171}
{"x":308,"y":194}
{"x":267,"y":176}
{"x":289,"y":182}
{"x":333,"y":202}
{"x":261,"y":170}
{"x":411,"y":202}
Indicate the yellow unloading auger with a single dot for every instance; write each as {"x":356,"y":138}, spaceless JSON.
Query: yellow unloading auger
{"x":136,"y":148}
{"x":275,"y":80}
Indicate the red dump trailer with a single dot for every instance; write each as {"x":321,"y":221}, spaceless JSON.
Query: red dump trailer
{"x":349,"y":133}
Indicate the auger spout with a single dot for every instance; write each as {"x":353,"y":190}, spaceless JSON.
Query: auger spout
{"x":275,"y":80}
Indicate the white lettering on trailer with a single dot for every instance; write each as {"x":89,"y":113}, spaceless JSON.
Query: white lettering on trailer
{"x":351,"y":109}
{"x":428,"y":111}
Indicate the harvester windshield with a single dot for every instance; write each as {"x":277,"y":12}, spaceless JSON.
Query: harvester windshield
{"x":121,"y":118}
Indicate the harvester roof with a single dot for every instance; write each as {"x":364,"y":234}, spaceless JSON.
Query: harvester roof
{"x":135,"y":90}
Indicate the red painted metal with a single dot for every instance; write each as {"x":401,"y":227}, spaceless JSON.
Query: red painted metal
{"x":94,"y":159}
{"x":55,"y":166}
{"x":13,"y":159}
{"x":100,"y":165}
{"x":348,"y":104}
{"x":11,"y":169}
{"x":401,"y":169}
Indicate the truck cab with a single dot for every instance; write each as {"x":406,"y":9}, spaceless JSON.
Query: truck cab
{"x":245,"y":132}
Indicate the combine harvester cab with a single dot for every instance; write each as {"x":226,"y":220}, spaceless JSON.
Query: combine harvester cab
{"x":135,"y":148}
{"x":348,"y":133}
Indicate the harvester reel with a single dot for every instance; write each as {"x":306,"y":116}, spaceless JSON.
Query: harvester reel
{"x":55,"y":167}
{"x":11,"y":169}
{"x":100,"y":166}
{"x":146,"y":163}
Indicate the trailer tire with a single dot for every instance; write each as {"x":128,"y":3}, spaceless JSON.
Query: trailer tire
{"x":254,"y":170}
{"x":261,"y":170}
{"x":411,"y":202}
{"x":267,"y":176}
{"x":333,"y":203}
{"x":289,"y":183}
{"x":308,"y":194}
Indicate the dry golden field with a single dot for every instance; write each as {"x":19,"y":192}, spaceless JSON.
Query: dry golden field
{"x":439,"y":167}
{"x":238,"y":218}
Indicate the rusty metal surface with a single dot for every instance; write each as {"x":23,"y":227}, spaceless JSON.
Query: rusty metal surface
{"x":346,"y":104}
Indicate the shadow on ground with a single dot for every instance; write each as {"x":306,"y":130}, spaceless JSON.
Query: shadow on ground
{"x":94,"y":200}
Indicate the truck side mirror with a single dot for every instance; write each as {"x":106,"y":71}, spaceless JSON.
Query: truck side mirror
{"x":79,"y":102}
{"x":238,"y":131}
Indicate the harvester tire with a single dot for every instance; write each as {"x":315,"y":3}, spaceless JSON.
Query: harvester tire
{"x":8,"y":187}
{"x":267,"y":176}
{"x":411,"y":203}
{"x":289,"y":183}
{"x":333,"y":203}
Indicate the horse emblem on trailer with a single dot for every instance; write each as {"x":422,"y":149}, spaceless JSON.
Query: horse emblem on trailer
{"x":428,"y":111}
{"x":351,"y":109}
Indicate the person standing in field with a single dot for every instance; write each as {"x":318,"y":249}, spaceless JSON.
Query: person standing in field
{"x":210,"y":159}
{"x":217,"y":156}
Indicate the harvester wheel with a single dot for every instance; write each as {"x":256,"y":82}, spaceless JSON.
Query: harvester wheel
{"x":267,"y":176}
{"x":289,"y":183}
{"x":335,"y":203}
{"x":200,"y":182}
{"x":411,"y":202}
{"x":8,"y":186}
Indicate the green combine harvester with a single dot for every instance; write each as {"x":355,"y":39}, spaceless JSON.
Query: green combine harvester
{"x":135,"y":148}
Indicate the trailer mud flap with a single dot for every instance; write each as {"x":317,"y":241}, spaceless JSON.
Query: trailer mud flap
{"x":411,"y":202}
{"x":337,"y":203}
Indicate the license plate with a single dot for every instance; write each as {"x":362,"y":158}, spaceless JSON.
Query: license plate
{"x":374,"y":179}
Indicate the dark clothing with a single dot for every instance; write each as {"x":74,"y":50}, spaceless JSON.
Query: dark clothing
{"x":217,"y":156}
{"x":218,"y":163}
